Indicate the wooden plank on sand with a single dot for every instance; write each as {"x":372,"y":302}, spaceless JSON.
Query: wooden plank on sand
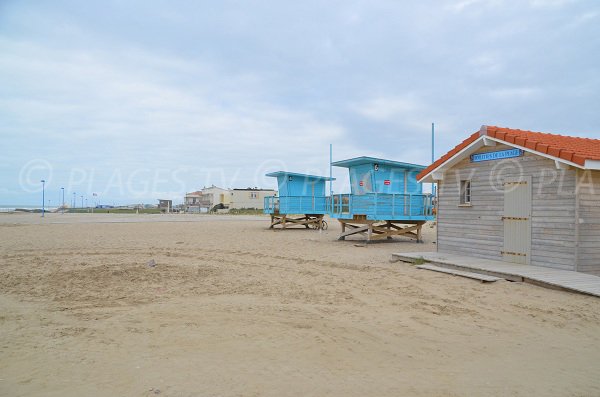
{"x":474,"y":276}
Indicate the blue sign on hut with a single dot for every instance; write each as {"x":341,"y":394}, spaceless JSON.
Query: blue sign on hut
{"x":385,"y":200}
{"x":301,"y":202}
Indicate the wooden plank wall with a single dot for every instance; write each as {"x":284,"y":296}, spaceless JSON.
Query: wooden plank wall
{"x":478,"y":230}
{"x":589,"y":221}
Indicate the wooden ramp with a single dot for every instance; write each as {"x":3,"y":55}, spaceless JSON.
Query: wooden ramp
{"x":475,"y":276}
{"x":546,"y":277}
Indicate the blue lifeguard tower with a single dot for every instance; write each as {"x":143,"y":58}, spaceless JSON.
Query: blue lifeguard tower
{"x":301,"y":201}
{"x":385,"y":200}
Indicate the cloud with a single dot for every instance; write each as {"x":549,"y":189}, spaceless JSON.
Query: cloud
{"x":124,"y":112}
{"x":459,"y":6}
{"x":583,"y":19}
{"x":515,"y":93}
{"x":487,"y":63}
{"x":387,"y":108}
{"x":204,"y":93}
{"x":462,"y":5}
{"x":550,"y":3}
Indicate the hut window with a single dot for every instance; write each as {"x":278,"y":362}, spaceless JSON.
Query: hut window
{"x":253,"y":195}
{"x":465,"y":192}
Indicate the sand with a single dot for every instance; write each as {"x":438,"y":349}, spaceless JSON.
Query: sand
{"x":234,"y":309}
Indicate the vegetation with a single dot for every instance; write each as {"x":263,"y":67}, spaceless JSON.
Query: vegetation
{"x":419,"y":261}
{"x":114,"y":211}
{"x":245,"y":211}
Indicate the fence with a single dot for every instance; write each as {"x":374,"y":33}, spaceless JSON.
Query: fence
{"x":296,"y":205}
{"x":381,"y":206}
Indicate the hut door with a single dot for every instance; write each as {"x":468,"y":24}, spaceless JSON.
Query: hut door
{"x":517,"y":220}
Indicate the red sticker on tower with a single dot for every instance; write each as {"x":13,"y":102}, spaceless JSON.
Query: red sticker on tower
{"x":361,"y":183}
{"x":387,"y":182}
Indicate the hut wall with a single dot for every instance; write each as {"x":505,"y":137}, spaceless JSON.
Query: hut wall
{"x":388,"y":180}
{"x":588,"y":196}
{"x":300,"y":186}
{"x":361,"y":173}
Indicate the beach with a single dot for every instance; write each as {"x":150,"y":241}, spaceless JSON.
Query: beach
{"x":231,"y":308}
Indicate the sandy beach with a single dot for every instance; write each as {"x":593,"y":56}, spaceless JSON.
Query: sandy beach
{"x":234,"y":309}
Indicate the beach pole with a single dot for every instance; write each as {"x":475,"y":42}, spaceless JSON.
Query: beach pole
{"x":331,"y":171}
{"x":432,"y":155}
{"x":43,"y":196}
{"x":63,"y":201}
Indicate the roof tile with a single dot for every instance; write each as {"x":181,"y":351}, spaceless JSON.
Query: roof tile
{"x":541,"y":147}
{"x":531,"y":144}
{"x":567,"y":155}
{"x":554,"y":151}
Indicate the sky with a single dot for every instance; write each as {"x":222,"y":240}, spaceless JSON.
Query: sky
{"x":140,"y":100}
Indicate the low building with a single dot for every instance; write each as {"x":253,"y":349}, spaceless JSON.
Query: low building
{"x":520,"y":196}
{"x":196,"y":202}
{"x":219,"y":197}
{"x":250,"y":198}
{"x":165,"y":206}
{"x":207,"y":199}
{"x":193,"y":198}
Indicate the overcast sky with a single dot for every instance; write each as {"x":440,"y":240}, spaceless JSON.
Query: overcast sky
{"x":141,"y":100}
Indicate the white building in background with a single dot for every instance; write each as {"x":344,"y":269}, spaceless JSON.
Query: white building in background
{"x":214,"y":197}
{"x":193,"y":198}
{"x":249,"y":198}
{"x":207,"y":199}
{"x":217,"y":196}
{"x":196,"y":202}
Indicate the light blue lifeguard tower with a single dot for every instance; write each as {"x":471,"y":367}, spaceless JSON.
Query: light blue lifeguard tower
{"x":301,"y":201}
{"x":385,"y":200}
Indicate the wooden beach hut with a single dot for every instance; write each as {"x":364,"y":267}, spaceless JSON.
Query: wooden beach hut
{"x":385,"y":200}
{"x":301,"y":202}
{"x":520,"y":196}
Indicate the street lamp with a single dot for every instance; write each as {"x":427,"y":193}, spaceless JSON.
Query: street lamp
{"x":63,"y":200}
{"x":43,"y":197}
{"x":81,"y":201}
{"x":74,"y":200}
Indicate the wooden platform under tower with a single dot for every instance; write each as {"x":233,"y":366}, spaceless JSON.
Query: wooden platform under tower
{"x":380,"y":230}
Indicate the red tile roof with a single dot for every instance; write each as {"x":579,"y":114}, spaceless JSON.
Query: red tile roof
{"x":569,"y":148}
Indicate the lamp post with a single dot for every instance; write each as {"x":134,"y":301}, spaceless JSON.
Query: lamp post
{"x":43,"y":196}
{"x":74,"y":200}
{"x":432,"y":156}
{"x":81,"y":201}
{"x":63,"y":201}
